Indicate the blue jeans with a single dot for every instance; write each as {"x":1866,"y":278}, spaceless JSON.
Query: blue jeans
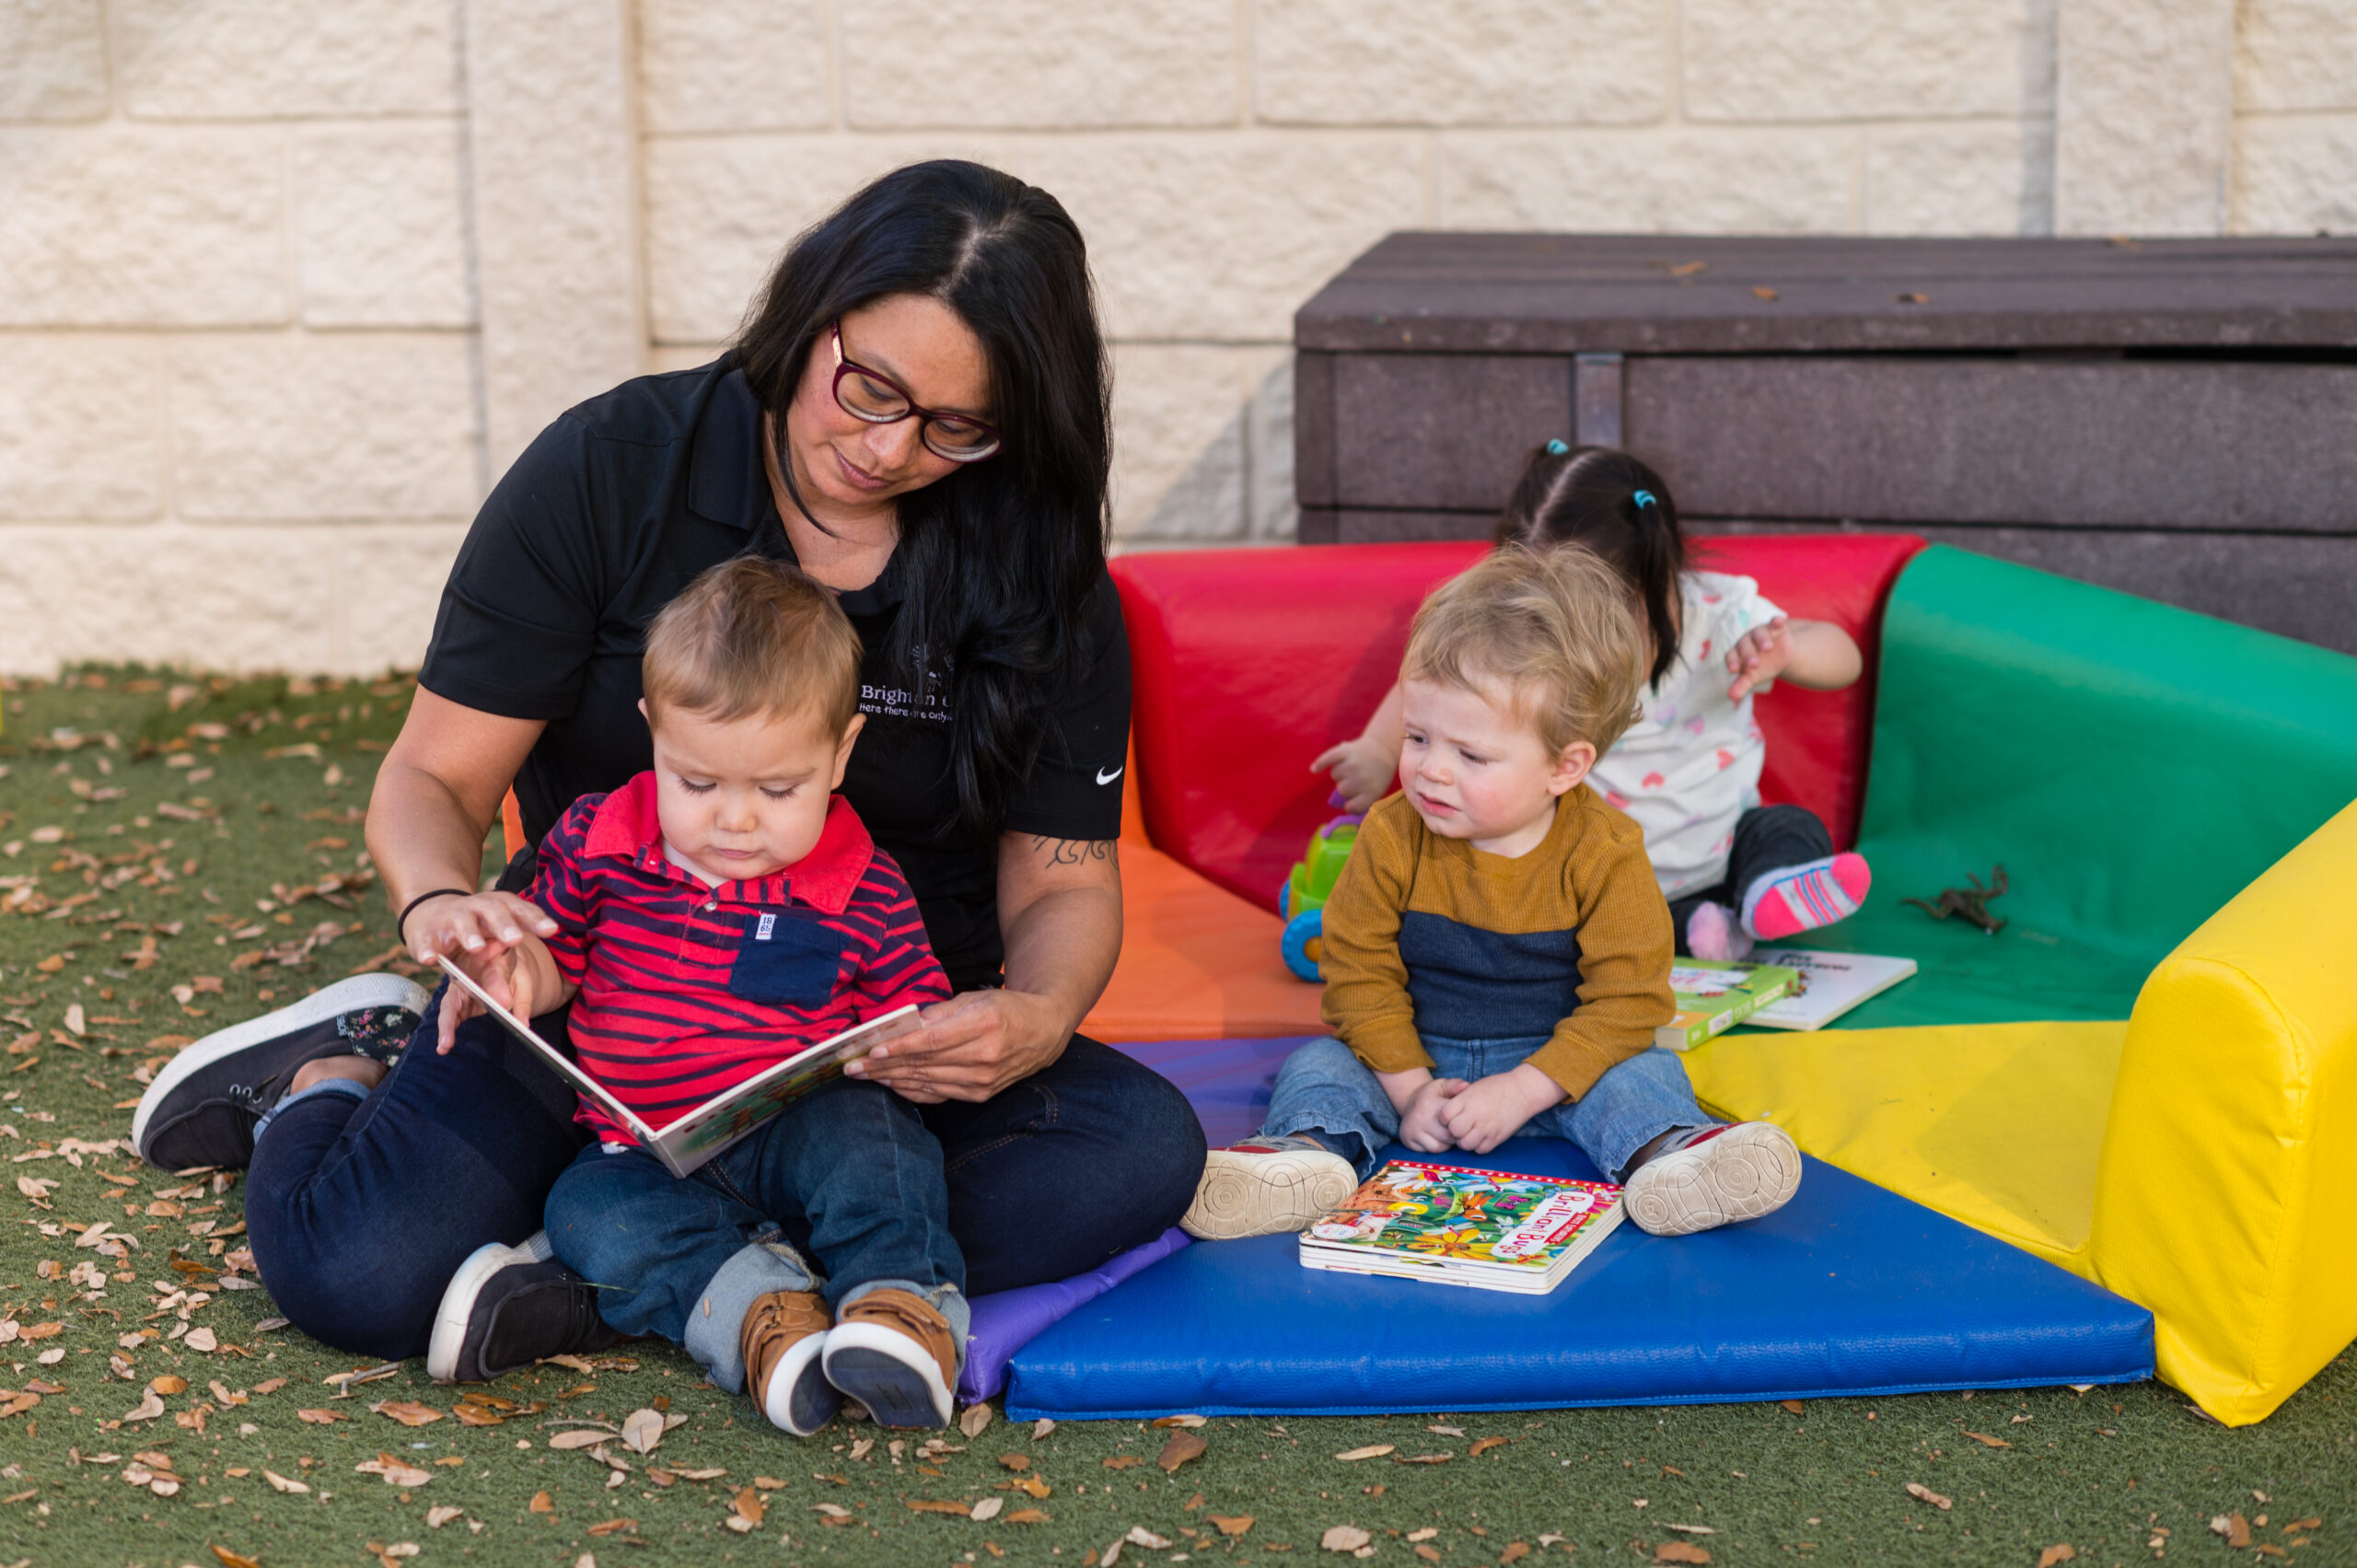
{"x":1322,"y":1088}
{"x":849,"y":1177}
{"x":359,"y":1210}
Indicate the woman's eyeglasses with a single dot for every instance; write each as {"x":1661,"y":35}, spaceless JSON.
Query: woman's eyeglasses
{"x":877,"y":399}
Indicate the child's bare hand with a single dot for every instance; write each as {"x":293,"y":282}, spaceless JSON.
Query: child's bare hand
{"x":1491,"y":1109}
{"x":1362,"y":770}
{"x":1759,"y":656}
{"x":1421,"y":1127}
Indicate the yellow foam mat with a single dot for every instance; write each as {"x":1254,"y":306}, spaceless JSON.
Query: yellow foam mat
{"x":1998,"y":1125}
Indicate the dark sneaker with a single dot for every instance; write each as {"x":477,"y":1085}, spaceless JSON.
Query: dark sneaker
{"x":782,"y":1341}
{"x":202,"y":1108}
{"x":1266,"y":1186}
{"x":509,"y":1307}
{"x":893,"y":1352}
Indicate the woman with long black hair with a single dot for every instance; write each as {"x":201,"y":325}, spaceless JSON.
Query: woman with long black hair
{"x":915,"y":413}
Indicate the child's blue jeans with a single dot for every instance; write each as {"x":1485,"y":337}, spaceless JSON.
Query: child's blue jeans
{"x":849,"y":1176}
{"x":1322,"y":1088}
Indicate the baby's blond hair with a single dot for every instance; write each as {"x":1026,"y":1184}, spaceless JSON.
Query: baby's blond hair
{"x":753,"y":637}
{"x":1556,"y":627}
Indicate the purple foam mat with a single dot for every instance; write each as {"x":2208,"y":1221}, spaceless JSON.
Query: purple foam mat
{"x":1007,"y":1320}
{"x":1227,"y":1082}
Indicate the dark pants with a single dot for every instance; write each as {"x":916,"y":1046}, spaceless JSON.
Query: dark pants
{"x":361,"y":1212}
{"x":1767,"y":838}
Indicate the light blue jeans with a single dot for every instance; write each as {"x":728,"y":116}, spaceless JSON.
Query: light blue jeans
{"x":1323,"y":1089}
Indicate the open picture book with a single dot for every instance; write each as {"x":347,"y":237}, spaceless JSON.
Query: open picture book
{"x":719,"y":1122}
{"x":1451,"y":1225}
{"x":1829,"y":984}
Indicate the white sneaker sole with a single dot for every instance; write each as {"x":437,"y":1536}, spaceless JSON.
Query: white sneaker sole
{"x":890,"y":1373}
{"x":1752,"y":1168}
{"x":343,"y":997}
{"x":458,"y":1299}
{"x":1243,"y":1194}
{"x":804,"y":1358}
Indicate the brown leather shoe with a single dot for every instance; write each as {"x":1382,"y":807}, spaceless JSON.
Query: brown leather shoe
{"x":894,"y":1353}
{"x":783,"y":1339}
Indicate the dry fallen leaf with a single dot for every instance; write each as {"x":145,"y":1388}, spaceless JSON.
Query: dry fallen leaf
{"x":1041,"y":1427}
{"x":280,"y":1483}
{"x":170,"y":1383}
{"x":442,"y":1514}
{"x":1515,"y":1552}
{"x":395,"y":1472}
{"x":1230,"y":1524}
{"x":201,"y":1340}
{"x":1182,"y":1447}
{"x":1139,"y":1536}
{"x":607,"y":1527}
{"x":1028,"y":1516}
{"x":542,"y":1504}
{"x":934,"y":1505}
{"x":1422,"y":1458}
{"x":642,"y":1430}
{"x":233,"y":1560}
{"x":1680,"y":1551}
{"x":1015,"y":1461}
{"x":1916,"y":1489}
{"x":409,"y":1412}
{"x":1372,"y":1451}
{"x":1991,"y":1442}
{"x":1344,"y":1537}
{"x":974,"y":1419}
{"x":1122,"y":1462}
{"x":2061,"y":1552}
{"x":986,"y":1509}
{"x":580,"y":1437}
{"x":1483,"y":1444}
{"x":1792,"y":1405}
{"x":750,"y":1507}
{"x":1190,"y":1422}
{"x":320,"y":1417}
{"x":147,"y":1409}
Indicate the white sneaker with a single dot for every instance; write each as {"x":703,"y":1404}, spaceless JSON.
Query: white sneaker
{"x":1266,"y":1186}
{"x":1715,"y":1176}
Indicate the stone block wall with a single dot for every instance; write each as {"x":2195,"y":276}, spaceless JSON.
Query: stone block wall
{"x":283,"y":288}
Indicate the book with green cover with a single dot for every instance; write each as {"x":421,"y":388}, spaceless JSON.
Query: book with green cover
{"x":1452,"y":1224}
{"x":1713,"y":997}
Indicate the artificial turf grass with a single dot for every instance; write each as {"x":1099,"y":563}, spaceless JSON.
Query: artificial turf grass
{"x":2092,"y":1470}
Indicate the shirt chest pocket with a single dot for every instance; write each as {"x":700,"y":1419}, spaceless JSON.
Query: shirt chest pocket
{"x":787,"y":963}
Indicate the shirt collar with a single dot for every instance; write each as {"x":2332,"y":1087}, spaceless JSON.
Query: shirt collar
{"x":626,"y":827}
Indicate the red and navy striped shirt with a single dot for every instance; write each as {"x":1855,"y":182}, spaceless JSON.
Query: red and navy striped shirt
{"x":688,"y":989}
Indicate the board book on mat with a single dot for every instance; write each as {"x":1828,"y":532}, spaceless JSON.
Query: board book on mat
{"x":728,"y":1115}
{"x":1714,"y":997}
{"x":1453,"y":1225}
{"x":1829,"y":984}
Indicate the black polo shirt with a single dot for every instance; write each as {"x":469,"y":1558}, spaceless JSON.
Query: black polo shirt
{"x":613,"y":510}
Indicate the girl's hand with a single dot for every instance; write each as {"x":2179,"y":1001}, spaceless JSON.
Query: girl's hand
{"x":484,"y":934}
{"x":1362,"y":770}
{"x":1422,"y":1121}
{"x":1493,"y":1108}
{"x":1759,"y":656}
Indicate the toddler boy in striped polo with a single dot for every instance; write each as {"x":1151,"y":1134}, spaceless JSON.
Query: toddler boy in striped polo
{"x":714,"y":916}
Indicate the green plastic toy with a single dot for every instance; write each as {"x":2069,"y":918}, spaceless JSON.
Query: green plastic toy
{"x":1302,"y":901}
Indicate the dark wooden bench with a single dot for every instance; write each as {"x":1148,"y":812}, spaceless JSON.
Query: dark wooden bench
{"x":2176,"y":418}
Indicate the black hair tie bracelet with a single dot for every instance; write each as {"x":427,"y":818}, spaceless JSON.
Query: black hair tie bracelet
{"x":400,"y":926}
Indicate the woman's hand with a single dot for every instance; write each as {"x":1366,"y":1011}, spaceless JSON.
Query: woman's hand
{"x":968,"y":1048}
{"x":1362,"y":770}
{"x":496,"y":938}
{"x":1495,"y":1108}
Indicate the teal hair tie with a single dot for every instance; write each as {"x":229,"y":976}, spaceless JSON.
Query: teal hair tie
{"x":1645,"y":498}
{"x":1556,"y":448}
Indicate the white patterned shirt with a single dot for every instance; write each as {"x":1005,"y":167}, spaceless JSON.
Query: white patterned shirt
{"x":1689,"y":765}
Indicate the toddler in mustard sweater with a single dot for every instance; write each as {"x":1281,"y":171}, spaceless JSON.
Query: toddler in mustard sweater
{"x":1497,"y":949}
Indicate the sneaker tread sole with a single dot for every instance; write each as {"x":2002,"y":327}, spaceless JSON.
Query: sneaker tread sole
{"x":1243,"y":1194}
{"x":1747,"y":1171}
{"x":893,"y":1375}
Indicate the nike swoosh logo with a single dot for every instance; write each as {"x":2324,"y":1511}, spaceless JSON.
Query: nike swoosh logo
{"x":1105,"y":778}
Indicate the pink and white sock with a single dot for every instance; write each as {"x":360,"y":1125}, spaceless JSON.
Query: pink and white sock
{"x":1793,"y":899}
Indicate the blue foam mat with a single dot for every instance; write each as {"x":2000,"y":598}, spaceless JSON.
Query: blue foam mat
{"x":1850,"y":1289}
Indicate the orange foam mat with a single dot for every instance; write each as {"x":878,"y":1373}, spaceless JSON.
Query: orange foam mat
{"x":1196,"y":962}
